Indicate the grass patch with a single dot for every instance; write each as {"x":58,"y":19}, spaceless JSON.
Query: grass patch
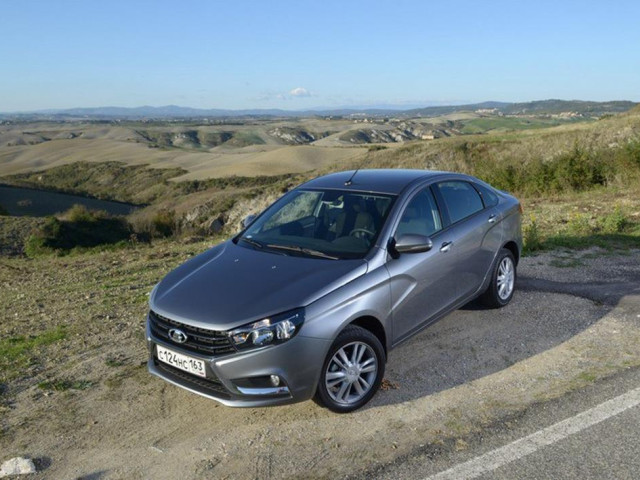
{"x":565,"y":262}
{"x":63,"y":385}
{"x":606,"y":241}
{"x":600,"y":218}
{"x":113,"y":362}
{"x":483,"y":125}
{"x":136,"y":184}
{"x":587,"y":377}
{"x":17,"y":353}
{"x":245,"y":138}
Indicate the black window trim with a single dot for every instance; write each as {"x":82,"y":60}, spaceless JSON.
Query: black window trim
{"x":442,"y":205}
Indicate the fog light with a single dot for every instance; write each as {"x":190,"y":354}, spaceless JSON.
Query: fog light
{"x":275,"y":380}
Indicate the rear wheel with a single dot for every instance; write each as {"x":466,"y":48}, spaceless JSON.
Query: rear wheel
{"x":352,"y":372}
{"x":503,"y":281}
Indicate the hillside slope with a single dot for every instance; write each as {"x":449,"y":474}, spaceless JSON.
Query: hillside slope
{"x":480,"y":154}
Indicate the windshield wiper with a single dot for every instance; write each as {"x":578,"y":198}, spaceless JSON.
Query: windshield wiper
{"x":308,"y":251}
{"x":250,"y":241}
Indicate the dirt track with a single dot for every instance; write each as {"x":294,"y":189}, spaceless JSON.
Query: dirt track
{"x":567,"y":326}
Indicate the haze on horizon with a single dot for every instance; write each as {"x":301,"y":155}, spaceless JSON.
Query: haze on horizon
{"x":294,"y":55}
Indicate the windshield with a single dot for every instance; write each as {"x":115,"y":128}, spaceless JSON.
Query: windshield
{"x":320,"y":223}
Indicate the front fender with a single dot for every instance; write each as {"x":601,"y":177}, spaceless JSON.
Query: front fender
{"x":368,"y":295}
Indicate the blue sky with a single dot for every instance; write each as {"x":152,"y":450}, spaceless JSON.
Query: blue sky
{"x":297,"y":54}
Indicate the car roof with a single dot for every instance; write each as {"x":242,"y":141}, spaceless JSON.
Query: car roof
{"x":390,"y":180}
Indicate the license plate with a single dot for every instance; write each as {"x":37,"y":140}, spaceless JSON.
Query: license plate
{"x":183,"y":362}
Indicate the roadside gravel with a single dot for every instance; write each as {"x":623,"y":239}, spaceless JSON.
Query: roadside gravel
{"x":474,"y":368}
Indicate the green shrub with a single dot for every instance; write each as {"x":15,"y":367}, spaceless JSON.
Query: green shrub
{"x":577,"y":170}
{"x":36,"y":246}
{"x":39,"y":242}
{"x":375,"y":148}
{"x":532,"y":240}
{"x":579,"y":225}
{"x":614,"y":222}
{"x":80,"y":213}
{"x":78,"y":227}
{"x":631,"y":154}
{"x":164,"y":223}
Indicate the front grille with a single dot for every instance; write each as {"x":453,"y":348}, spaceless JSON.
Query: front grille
{"x":207,"y":385}
{"x":199,"y":340}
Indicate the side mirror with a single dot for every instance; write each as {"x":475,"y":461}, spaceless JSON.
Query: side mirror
{"x":248,"y":220}
{"x":413,"y":243}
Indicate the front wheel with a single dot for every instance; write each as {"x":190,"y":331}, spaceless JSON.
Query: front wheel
{"x":503,"y":281}
{"x":352,"y":372}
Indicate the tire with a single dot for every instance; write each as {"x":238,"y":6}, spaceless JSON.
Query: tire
{"x":499,"y":293}
{"x":346,"y":393}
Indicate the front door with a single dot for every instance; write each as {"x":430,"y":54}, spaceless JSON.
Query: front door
{"x":422,"y":284}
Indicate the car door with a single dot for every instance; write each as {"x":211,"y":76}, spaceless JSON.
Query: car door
{"x":422,"y":284}
{"x":475,"y":225}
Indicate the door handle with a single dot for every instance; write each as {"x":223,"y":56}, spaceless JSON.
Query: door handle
{"x":446,"y":246}
{"x":492,"y":218}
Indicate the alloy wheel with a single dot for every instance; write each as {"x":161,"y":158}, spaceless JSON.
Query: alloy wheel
{"x":351,"y":373}
{"x":506,"y":278}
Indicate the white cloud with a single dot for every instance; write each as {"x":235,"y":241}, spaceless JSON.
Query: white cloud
{"x":300,"y":92}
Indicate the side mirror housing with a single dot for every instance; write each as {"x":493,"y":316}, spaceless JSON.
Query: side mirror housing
{"x":412,"y":243}
{"x":248,"y":220}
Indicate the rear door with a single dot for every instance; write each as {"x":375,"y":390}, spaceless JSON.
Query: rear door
{"x":475,"y":226}
{"x":422,"y":284}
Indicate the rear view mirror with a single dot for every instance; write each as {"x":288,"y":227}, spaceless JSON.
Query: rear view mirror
{"x":248,"y":220}
{"x":413,"y":243}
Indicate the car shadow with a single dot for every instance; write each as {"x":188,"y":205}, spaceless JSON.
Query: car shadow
{"x":475,"y":341}
{"x":94,"y":475}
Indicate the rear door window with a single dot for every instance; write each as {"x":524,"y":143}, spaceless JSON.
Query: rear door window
{"x":460,"y":198}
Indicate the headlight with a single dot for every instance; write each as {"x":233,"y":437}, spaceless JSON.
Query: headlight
{"x":268,"y":331}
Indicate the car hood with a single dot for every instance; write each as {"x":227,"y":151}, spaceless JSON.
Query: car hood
{"x":231,"y":285}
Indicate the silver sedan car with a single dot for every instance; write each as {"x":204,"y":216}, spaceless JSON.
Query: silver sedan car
{"x":309,"y":298}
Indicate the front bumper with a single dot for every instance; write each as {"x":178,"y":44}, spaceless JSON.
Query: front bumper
{"x":298,"y":363}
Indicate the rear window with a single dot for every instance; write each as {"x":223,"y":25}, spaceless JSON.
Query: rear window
{"x":488,"y":196}
{"x":461,"y":199}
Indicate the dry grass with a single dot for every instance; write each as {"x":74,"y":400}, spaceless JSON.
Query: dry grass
{"x":514,"y":148}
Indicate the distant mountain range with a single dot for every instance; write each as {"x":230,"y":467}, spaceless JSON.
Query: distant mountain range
{"x":174,"y":111}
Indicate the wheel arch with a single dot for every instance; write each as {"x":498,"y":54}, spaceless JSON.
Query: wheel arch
{"x":513,"y":248}
{"x":373,"y":325}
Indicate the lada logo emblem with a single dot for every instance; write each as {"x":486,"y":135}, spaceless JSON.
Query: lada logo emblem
{"x":177,"y":336}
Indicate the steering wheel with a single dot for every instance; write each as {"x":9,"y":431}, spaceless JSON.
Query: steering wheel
{"x":362,"y":233}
